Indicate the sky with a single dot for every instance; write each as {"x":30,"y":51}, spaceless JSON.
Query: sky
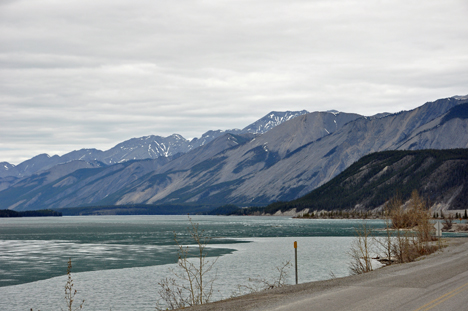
{"x":89,"y":74}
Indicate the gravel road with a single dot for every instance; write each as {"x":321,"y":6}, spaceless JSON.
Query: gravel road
{"x":436,"y":282}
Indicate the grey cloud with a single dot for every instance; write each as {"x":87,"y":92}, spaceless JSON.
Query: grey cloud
{"x":93,"y":73}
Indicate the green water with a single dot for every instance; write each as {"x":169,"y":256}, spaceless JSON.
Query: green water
{"x":34,"y":249}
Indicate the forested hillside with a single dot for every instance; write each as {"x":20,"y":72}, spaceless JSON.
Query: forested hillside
{"x":440,"y":176}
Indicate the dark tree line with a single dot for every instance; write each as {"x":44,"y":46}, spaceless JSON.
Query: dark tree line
{"x":38,"y":213}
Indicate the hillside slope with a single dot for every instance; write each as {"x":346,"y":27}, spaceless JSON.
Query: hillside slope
{"x":441,"y":176}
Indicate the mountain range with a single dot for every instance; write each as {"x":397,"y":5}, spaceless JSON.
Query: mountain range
{"x":148,"y":147}
{"x":283,"y":156}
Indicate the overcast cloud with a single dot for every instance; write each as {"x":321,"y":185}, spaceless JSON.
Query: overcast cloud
{"x":90,"y":74}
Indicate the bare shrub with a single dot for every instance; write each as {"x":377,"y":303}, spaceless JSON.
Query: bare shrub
{"x":70,"y":291}
{"x":360,"y":252}
{"x":424,"y":228}
{"x":400,"y":218}
{"x":447,"y":222}
{"x":259,"y":284}
{"x":172,"y":295}
{"x":385,"y":244}
{"x":415,"y":215}
{"x":190,"y":286}
{"x":408,"y":233}
{"x":403,"y":248}
{"x":412,"y":226}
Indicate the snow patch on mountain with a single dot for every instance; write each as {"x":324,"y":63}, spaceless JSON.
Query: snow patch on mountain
{"x":146,"y":147}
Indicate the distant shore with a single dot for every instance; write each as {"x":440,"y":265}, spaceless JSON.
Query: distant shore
{"x":39,"y":213}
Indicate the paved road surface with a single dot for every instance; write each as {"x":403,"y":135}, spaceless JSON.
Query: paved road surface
{"x":438,"y":282}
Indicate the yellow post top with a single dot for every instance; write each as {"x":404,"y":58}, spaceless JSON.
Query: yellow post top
{"x":295,"y":244}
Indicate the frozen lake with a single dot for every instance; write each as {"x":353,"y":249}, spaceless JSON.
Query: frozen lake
{"x":118,"y":260}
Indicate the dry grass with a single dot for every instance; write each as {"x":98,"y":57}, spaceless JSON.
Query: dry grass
{"x":258,"y":284}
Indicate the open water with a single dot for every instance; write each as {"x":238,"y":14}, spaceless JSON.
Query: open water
{"x":119,"y":260}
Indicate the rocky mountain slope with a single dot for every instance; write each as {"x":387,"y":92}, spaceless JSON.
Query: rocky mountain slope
{"x":101,"y":187}
{"x":284,"y":163}
{"x":148,"y":147}
{"x":440,"y":176}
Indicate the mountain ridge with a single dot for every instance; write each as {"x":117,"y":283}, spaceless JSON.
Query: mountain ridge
{"x":140,"y":148}
{"x":282,"y":164}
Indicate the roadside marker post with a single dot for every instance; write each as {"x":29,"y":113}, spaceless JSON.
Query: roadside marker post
{"x":438,"y":227}
{"x":295,"y":257}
